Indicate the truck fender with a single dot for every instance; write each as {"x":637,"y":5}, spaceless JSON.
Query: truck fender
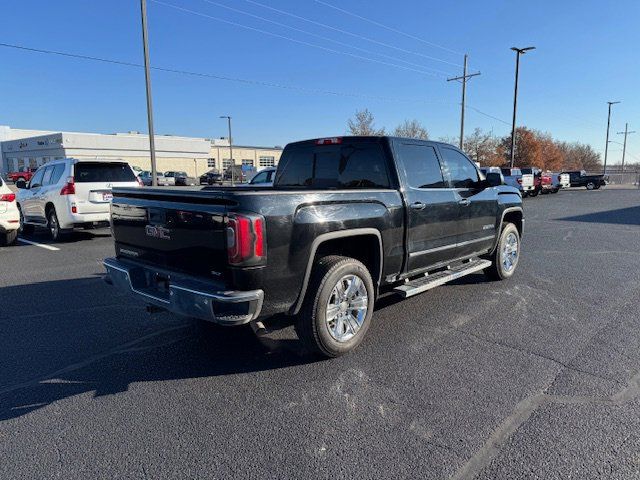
{"x":331,"y":236}
{"x":504,"y":213}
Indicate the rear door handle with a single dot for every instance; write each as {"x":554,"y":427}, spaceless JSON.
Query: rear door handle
{"x":417,"y":205}
{"x":464,"y":202}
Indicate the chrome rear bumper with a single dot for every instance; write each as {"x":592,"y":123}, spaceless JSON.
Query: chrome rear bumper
{"x":184,"y":295}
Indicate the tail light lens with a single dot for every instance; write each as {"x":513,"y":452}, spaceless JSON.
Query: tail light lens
{"x":520,"y":181}
{"x":245,"y":239}
{"x":69,"y":187}
{"x":329,"y":141}
{"x":8,"y":197}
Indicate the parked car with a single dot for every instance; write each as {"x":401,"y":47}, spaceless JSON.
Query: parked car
{"x":145,"y":178}
{"x":346,"y":219}
{"x":69,"y":193}
{"x":515,"y":178}
{"x":264,"y":178}
{"x":24,"y":175}
{"x":171,"y":177}
{"x":496,"y":170}
{"x":579,"y":178}
{"x":211,"y":178}
{"x":537,"y":180}
{"x":553,"y":182}
{"x":184,"y":180}
{"x":9,"y":216}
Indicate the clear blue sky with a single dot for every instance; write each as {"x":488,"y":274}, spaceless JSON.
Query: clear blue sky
{"x":586,"y":54}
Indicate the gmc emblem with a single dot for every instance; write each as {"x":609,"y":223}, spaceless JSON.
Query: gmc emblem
{"x":157,"y":232}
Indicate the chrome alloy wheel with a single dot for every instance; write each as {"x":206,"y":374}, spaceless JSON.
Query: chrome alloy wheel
{"x":346,"y":308}
{"x":54,"y":228}
{"x":510,"y":252}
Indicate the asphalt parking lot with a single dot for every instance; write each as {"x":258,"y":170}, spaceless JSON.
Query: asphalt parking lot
{"x":536,"y":377}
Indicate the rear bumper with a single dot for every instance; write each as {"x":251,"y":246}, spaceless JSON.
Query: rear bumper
{"x":185,"y":295}
{"x":9,"y":221}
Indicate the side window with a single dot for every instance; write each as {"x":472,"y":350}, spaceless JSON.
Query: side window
{"x":461,"y":172}
{"x":421,"y":165}
{"x":46,"y":179}
{"x":36,"y":180}
{"x":260,"y":178}
{"x":58,"y":170}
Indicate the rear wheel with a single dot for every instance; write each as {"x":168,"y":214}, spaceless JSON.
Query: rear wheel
{"x":57,"y":233}
{"x":338,"y":307}
{"x":506,"y":255}
{"x":8,"y":238}
{"x":591,"y":186}
{"x":534,"y":193}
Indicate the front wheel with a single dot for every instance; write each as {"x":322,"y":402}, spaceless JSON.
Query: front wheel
{"x":338,"y":307}
{"x":591,"y":186}
{"x":506,"y":255}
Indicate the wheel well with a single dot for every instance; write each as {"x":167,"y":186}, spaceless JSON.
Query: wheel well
{"x":365,"y":248}
{"x":514,"y":217}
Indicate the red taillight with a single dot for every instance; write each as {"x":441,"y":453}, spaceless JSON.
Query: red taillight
{"x":69,"y":187}
{"x":329,"y":141}
{"x":8,"y":197}
{"x":520,"y":181}
{"x":245,"y":239}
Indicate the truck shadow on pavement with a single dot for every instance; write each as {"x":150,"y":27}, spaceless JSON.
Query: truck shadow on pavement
{"x":103,"y":343}
{"x":619,"y":216}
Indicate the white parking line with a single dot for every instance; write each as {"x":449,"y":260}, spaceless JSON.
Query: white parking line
{"x":41,"y":245}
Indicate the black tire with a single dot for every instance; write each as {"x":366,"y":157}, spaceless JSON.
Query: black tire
{"x":525,"y":194}
{"x":590,"y":186}
{"x":533,"y":193}
{"x":8,"y":238}
{"x":19,"y":179}
{"x":597,"y":186}
{"x":311,"y":324}
{"x":24,"y":229}
{"x":53,"y":225}
{"x":498,"y":270}
{"x":555,"y":190}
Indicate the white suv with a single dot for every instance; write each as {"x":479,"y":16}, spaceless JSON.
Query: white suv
{"x":69,"y":193}
{"x":9,"y":216}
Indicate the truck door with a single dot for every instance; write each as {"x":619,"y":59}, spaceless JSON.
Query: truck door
{"x":432,"y":210}
{"x":477,"y":207}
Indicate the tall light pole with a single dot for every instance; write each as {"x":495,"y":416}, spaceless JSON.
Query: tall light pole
{"x":606,"y":145}
{"x":519,"y":51}
{"x":624,"y":145}
{"x":147,"y":76}
{"x":230,"y":145}
{"x":463,"y":79}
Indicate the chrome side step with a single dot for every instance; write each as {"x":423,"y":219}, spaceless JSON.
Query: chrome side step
{"x":428,"y":282}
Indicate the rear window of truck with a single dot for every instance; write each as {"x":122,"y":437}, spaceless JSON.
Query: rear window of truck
{"x":345,"y":166}
{"x":87,"y":172}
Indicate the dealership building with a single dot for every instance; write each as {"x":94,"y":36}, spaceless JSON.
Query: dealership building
{"x":21,"y":149}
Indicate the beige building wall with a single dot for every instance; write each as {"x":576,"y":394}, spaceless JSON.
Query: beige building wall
{"x":240,"y":153}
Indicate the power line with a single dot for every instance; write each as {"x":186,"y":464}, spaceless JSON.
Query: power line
{"x":322,"y":37}
{"x":408,"y":35}
{"x":355,"y":35}
{"x":302,"y":42}
{"x":221,"y":77}
{"x":487,"y":115}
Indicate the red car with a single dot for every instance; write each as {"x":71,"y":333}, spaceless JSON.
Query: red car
{"x":26,"y":175}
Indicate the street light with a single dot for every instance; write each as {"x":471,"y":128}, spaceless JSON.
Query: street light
{"x":606,"y":146}
{"x":230,"y":145}
{"x":519,"y":51}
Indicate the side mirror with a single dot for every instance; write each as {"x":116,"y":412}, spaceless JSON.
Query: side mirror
{"x":21,"y":184}
{"x":494,"y":179}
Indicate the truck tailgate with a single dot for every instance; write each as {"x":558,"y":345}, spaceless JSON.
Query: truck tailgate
{"x":181,"y":232}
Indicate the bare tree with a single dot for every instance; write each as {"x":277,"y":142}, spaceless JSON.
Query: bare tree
{"x":482,"y":147}
{"x":363,"y":123}
{"x":411,"y":129}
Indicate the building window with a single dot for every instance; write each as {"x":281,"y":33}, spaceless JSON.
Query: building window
{"x":33,"y":162}
{"x":267,"y":161}
{"x":226,"y":163}
{"x":247,"y":161}
{"x":211,"y":162}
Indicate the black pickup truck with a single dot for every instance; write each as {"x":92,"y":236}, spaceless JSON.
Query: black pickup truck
{"x":347,"y":219}
{"x":579,"y":178}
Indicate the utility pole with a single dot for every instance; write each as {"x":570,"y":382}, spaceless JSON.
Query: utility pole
{"x":519,"y":51}
{"x":624,"y":144}
{"x":230,"y":146}
{"x":463,"y":79}
{"x":606,"y":146}
{"x":147,"y":76}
